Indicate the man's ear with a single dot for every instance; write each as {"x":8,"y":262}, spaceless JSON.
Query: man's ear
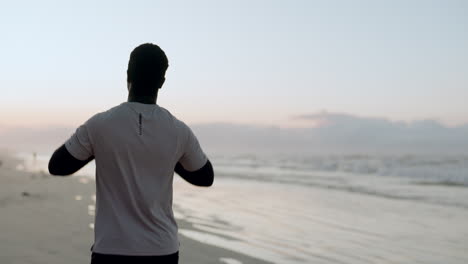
{"x":162,"y":82}
{"x":129,"y":86}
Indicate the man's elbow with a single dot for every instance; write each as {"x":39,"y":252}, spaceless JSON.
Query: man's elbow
{"x":56,"y":170}
{"x":209,"y":176}
{"x":209,"y":179}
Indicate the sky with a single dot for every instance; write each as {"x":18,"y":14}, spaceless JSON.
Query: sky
{"x":240,"y":62}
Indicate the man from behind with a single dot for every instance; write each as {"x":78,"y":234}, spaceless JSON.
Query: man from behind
{"x":137,"y":146}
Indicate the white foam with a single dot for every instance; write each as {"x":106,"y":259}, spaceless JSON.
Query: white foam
{"x":292,"y":224}
{"x":230,"y":261}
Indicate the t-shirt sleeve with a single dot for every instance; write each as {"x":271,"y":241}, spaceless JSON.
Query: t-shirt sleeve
{"x":79,"y":144}
{"x":193,"y":157}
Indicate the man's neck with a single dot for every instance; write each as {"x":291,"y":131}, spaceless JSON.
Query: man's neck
{"x":144,"y":99}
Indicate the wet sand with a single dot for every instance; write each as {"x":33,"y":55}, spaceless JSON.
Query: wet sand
{"x":46,"y":219}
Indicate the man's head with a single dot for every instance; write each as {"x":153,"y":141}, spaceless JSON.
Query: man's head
{"x":146,"y":69}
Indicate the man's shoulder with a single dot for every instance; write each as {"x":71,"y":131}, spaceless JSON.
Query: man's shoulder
{"x":112,"y":110}
{"x":100,"y":116}
{"x":168,"y":115}
{"x":118,"y":110}
{"x":179,"y":124}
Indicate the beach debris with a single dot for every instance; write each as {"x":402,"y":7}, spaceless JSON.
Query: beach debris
{"x":25,"y":194}
{"x":78,"y":197}
{"x":91,"y":225}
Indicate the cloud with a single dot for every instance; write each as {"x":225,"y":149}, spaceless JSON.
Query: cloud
{"x":341,"y":133}
{"x":335,"y":134}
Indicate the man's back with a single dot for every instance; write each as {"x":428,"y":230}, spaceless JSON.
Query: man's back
{"x":136,"y":147}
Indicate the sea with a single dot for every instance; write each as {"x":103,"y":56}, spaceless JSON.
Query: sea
{"x":327,"y":208}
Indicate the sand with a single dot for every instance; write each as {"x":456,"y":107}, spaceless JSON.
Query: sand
{"x":47,"y":219}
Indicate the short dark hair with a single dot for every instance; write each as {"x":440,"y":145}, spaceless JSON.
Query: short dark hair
{"x":146,"y":68}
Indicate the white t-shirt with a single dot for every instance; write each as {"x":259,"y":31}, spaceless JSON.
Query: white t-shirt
{"x":136,"y":147}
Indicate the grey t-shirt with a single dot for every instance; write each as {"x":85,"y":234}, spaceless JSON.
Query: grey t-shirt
{"x":136,"y":147}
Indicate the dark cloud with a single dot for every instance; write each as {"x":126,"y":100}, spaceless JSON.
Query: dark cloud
{"x":348,"y":132}
{"x":337,"y":133}
{"x":340,"y":133}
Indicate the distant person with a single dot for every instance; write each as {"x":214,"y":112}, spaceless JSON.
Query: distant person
{"x":137,"y":146}
{"x":34,"y":163}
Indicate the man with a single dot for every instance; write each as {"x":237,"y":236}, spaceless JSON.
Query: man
{"x":137,"y":146}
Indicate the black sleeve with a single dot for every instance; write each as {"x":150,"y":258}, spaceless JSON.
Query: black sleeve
{"x":202,"y":177}
{"x":62,"y":163}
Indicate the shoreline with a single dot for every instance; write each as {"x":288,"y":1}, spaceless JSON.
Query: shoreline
{"x":48,"y":219}
{"x":237,"y":221}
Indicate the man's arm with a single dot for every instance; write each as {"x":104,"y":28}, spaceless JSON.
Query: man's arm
{"x":202,"y":177}
{"x":62,"y":163}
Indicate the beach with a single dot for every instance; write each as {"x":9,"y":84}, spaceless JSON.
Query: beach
{"x":258,"y":212}
{"x":47,"y":219}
